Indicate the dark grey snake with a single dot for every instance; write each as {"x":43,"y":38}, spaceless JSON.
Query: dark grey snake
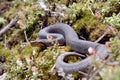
{"x":63,"y":33}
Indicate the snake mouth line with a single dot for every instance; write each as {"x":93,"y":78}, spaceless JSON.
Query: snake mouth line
{"x":37,"y":43}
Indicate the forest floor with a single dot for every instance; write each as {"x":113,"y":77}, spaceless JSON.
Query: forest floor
{"x":21,"y":20}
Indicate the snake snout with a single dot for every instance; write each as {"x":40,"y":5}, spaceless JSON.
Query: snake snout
{"x":37,"y":43}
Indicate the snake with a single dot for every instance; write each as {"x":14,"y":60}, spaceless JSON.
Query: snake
{"x":66,"y":35}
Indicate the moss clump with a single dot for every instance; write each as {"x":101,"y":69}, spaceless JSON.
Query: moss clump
{"x":4,"y":51}
{"x":113,"y":21}
{"x":115,"y":47}
{"x":28,"y":50}
{"x":2,"y":21}
{"x":112,"y":7}
{"x":68,"y":48}
{"x":72,"y":59}
{"x":89,"y":26}
{"x":111,"y":71}
{"x":16,"y":37}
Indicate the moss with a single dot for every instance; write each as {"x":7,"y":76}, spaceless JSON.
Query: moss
{"x":115,"y":47}
{"x":68,"y":48}
{"x":1,"y":45}
{"x":5,"y":52}
{"x":72,"y":59}
{"x":76,"y":76}
{"x":89,"y":26}
{"x":28,"y":50}
{"x":16,"y":35}
{"x":2,"y":21}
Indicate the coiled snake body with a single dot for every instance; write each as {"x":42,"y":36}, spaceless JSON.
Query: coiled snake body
{"x":63,"y":33}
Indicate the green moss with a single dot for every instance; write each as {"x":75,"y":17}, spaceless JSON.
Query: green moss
{"x":115,"y":47}
{"x":2,"y":21}
{"x":72,"y":59}
{"x":16,"y":36}
{"x":28,"y":50}
{"x":1,"y":45}
{"x":76,"y":75}
{"x":113,"y":21}
{"x":88,"y":26}
{"x":11,"y":13}
{"x":33,"y":16}
{"x":5,"y":52}
{"x":68,"y":48}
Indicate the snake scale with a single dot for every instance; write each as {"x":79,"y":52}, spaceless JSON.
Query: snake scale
{"x":65,"y":34}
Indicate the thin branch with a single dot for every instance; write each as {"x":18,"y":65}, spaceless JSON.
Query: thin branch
{"x":82,"y":37}
{"x":89,"y":72}
{"x":107,"y":30}
{"x":5,"y":44}
{"x":94,"y":74}
{"x":91,"y":10}
{"x":118,"y":14}
{"x":52,"y":69}
{"x":6,"y":28}
{"x":101,"y":37}
{"x":112,"y":63}
{"x":83,"y":73}
{"x":26,"y":37}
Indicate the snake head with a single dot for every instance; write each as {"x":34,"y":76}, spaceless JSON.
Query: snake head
{"x":37,"y":43}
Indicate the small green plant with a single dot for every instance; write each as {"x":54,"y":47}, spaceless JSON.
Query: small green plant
{"x":115,"y":48}
{"x":112,"y":72}
{"x":29,"y":62}
{"x":2,"y":20}
{"x":113,"y":21}
{"x":76,"y":10}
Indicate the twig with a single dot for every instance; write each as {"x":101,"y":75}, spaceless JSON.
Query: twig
{"x":101,"y":37}
{"x":6,"y":28}
{"x":118,"y":14}
{"x":107,"y":30}
{"x":52,"y":69}
{"x":89,"y":72}
{"x":5,"y":44}
{"x":94,"y":74}
{"x":112,"y":63}
{"x":91,"y":10}
{"x":83,"y":73}
{"x":97,"y":70}
{"x":26,"y":37}
{"x":82,"y":37}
